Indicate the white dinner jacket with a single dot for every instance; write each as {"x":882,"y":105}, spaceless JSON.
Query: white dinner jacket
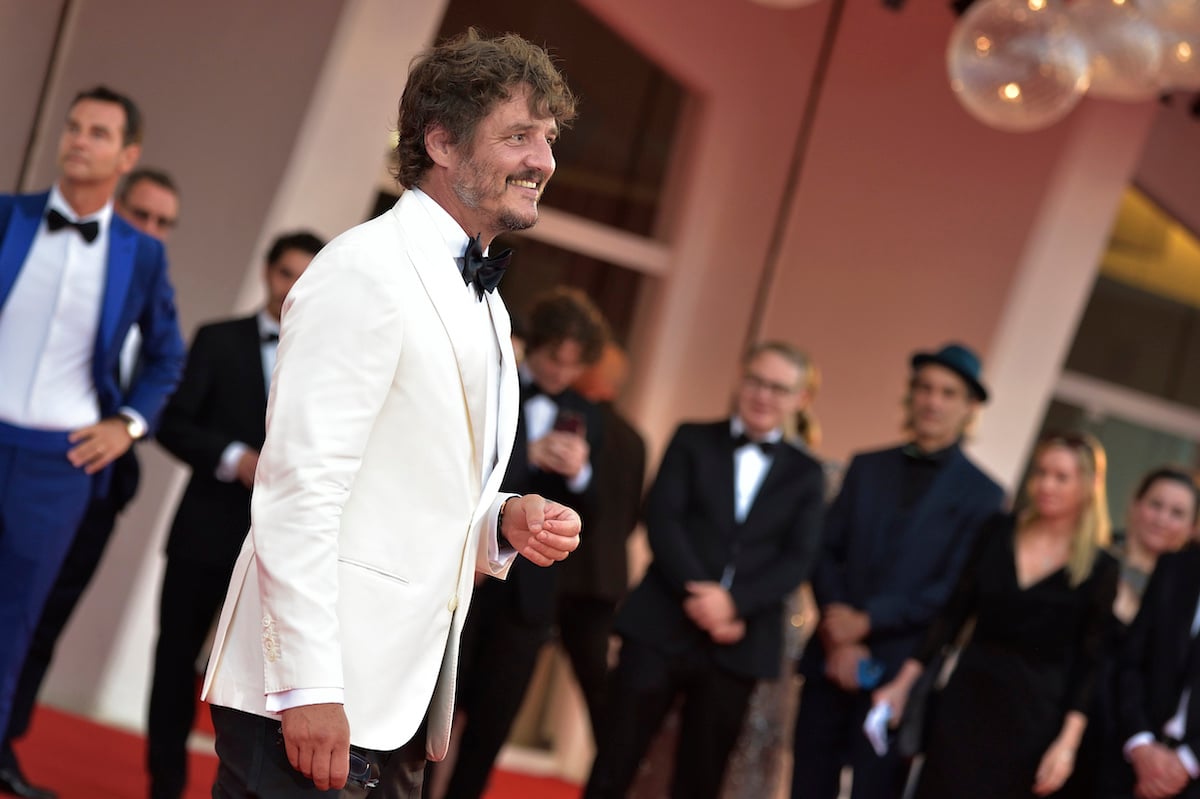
{"x":369,"y":517}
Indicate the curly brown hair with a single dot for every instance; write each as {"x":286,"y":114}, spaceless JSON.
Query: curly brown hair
{"x":561,"y":314}
{"x":459,"y":82}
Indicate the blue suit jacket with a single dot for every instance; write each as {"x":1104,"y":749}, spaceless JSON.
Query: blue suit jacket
{"x":901,"y":576}
{"x":136,"y":291}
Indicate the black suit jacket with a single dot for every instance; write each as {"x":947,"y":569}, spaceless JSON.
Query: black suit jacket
{"x":530,"y":588}
{"x":1154,"y":666}
{"x":222,"y":399}
{"x":901,"y":575}
{"x":695,"y":536}
{"x":600,"y":570}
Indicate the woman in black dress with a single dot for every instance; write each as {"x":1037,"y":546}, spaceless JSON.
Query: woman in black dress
{"x":1040,"y":588}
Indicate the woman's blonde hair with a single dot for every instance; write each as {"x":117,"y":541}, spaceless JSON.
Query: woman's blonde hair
{"x":1093,"y":530}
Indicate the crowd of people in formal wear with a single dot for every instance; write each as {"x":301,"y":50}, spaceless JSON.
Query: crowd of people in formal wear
{"x":965,"y":645}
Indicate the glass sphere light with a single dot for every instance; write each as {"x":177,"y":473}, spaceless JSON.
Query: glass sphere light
{"x":1181,"y":16}
{"x":1180,"y":69}
{"x":1017,"y":65}
{"x":1125,"y":48}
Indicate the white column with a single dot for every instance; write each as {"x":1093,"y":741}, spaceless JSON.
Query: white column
{"x":1054,"y":278}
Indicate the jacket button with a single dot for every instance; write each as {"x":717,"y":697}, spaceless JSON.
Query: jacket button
{"x":452,"y":605}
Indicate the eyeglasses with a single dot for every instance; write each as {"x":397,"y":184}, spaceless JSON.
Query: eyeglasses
{"x":361,"y":772}
{"x":147,"y":217}
{"x":757,"y":383}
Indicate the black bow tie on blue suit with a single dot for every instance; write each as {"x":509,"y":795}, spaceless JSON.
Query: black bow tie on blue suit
{"x":88,"y":230}
{"x":767,"y":447}
{"x":483,"y":272}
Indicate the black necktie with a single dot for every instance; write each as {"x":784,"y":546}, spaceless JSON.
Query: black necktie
{"x":56,"y":222}
{"x":767,"y":447}
{"x":483,"y":273}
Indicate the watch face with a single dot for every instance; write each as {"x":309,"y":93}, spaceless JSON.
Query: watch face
{"x":135,"y":426}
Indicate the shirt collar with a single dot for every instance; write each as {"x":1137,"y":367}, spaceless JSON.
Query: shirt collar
{"x":266,"y":325}
{"x":737,"y":427}
{"x":448,"y":229}
{"x":59,"y":203}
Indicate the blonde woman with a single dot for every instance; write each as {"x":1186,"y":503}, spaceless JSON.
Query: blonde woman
{"x":1040,"y":588}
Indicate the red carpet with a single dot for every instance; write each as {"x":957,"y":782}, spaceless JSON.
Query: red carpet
{"x":84,"y":760}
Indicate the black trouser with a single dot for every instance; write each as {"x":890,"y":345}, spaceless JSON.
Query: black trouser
{"x":83,"y":558}
{"x":829,"y":736}
{"x":254,"y":764}
{"x":584,"y":627}
{"x":497,"y":659}
{"x":645,"y":685}
{"x":191,"y":597}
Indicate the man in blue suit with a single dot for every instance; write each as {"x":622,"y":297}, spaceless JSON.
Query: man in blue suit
{"x":74,"y":278}
{"x":894,"y":542}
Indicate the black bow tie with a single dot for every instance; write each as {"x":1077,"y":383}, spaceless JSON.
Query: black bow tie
{"x":483,"y":273}
{"x":270,"y":338}
{"x":56,"y":222}
{"x":766,"y":447}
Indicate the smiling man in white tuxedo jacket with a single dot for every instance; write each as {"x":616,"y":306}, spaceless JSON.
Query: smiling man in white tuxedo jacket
{"x":390,"y":420}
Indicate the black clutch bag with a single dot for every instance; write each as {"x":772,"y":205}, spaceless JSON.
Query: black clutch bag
{"x":913,"y":731}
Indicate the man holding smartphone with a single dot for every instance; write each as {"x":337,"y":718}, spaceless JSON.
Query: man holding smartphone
{"x":557,"y":432}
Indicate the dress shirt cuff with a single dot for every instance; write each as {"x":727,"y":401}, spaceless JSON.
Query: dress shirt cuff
{"x":228,"y":465}
{"x":1188,"y":758}
{"x":1141,"y":739}
{"x":127,"y":411}
{"x":579,"y":483}
{"x":499,"y":556}
{"x":286,"y":700}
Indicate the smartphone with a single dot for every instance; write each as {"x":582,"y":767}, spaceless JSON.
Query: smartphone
{"x":570,"y":422}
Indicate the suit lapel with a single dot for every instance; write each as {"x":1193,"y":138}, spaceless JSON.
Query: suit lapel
{"x":509,"y":399}
{"x":122,"y":242}
{"x":725,"y":474}
{"x":249,"y":355}
{"x":781,"y":463}
{"x":437,"y":273}
{"x":22,"y":227}
{"x":939,"y":491}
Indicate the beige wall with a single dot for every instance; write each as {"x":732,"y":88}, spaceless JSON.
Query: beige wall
{"x":26,"y":39}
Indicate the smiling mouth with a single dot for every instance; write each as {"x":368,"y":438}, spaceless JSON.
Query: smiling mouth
{"x":524,"y":184}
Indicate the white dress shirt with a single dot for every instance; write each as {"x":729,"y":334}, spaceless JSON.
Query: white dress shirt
{"x":1176,"y":726}
{"x":49,"y":325}
{"x":750,"y":466}
{"x":480,"y":317}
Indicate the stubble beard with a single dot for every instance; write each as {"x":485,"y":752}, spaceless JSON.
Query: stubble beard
{"x":471,"y":192}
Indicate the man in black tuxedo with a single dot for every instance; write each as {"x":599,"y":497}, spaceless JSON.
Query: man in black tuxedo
{"x":733,"y":520}
{"x":557,"y":433}
{"x":1159,"y":682}
{"x":149,"y":201}
{"x":895,"y":540}
{"x":215,"y":424}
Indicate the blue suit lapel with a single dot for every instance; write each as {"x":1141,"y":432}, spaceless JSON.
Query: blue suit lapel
{"x":122,"y":244}
{"x":940,"y":492}
{"x":22,"y":227}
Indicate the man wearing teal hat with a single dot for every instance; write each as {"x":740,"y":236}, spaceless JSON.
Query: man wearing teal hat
{"x":895,"y":540}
